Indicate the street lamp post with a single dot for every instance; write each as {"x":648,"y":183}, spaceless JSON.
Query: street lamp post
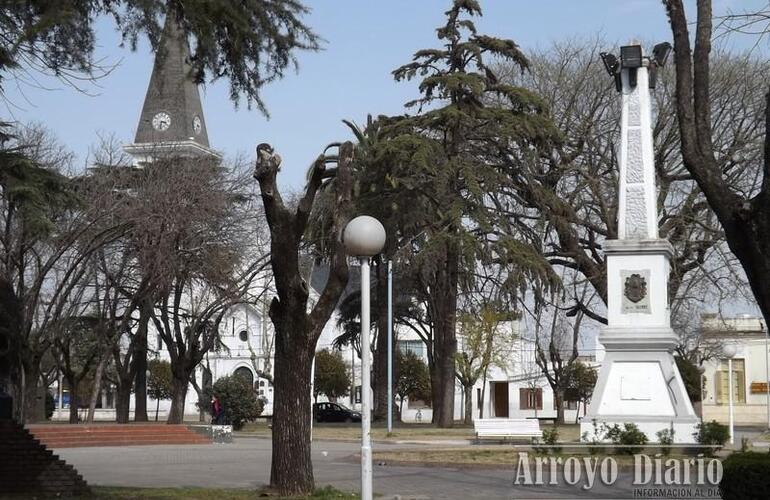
{"x":390,"y":346}
{"x":729,"y":351}
{"x":767,"y":371}
{"x":364,"y":238}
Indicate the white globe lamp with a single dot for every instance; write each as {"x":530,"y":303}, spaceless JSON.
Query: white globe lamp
{"x":364,"y":236}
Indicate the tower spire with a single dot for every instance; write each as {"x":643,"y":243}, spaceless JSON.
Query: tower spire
{"x":172,"y":115}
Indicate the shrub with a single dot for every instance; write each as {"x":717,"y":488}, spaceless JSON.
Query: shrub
{"x":745,"y":476}
{"x":626,"y":439}
{"x":712,"y":434}
{"x":596,"y":437}
{"x":666,"y":439}
{"x":550,"y":438}
{"x":238,"y":399}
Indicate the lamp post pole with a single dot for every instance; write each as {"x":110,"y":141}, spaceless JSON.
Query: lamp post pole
{"x":730,"y":397}
{"x":729,"y":351}
{"x":767,"y":372}
{"x":366,"y":441}
{"x":364,"y":237}
{"x":390,"y":346}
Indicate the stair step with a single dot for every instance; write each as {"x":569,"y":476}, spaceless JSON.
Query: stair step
{"x":71,"y":436}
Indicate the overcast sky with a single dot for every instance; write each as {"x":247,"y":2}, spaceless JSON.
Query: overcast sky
{"x":351,"y":77}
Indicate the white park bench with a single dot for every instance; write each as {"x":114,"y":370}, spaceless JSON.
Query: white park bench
{"x":507,"y":428}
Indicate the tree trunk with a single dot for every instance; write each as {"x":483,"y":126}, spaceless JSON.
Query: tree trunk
{"x":178,"y":397}
{"x":381,"y":348}
{"x":483,"y":394}
{"x":445,"y":343}
{"x":291,"y":470}
{"x":73,"y":400}
{"x":122,"y":401}
{"x":468,"y":404}
{"x":97,"y":389}
{"x":435,"y":391}
{"x":296,"y":330}
{"x":140,"y":359}
{"x":30,"y":407}
{"x":558,"y":401}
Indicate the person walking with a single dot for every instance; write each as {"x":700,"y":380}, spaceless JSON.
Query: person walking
{"x":216,"y":411}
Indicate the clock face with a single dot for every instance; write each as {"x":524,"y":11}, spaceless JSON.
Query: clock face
{"x":161,"y":121}
{"x":197,"y":125}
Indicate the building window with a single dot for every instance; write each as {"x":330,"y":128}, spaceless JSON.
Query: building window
{"x":530,"y":399}
{"x":243,"y":335}
{"x":417,"y":347}
{"x":739,"y":382}
{"x":478,"y":398}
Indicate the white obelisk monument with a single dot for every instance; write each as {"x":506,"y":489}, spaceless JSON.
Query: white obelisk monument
{"x":638,"y":380}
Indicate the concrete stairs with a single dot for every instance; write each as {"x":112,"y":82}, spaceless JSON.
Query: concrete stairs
{"x":29,"y":470}
{"x":78,"y":435}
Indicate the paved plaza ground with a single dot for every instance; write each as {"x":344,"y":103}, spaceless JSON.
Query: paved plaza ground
{"x":246,"y":464}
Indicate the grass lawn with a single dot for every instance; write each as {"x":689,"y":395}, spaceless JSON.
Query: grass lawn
{"x":567,"y":432}
{"x":326,"y":493}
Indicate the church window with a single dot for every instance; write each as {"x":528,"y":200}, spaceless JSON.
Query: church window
{"x":243,"y":335}
{"x":244,"y":373}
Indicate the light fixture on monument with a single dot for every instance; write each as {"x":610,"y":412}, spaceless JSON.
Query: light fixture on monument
{"x":364,"y":237}
{"x":638,"y":381}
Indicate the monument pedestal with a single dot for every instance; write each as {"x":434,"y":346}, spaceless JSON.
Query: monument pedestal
{"x":639,"y":381}
{"x":644,"y":388}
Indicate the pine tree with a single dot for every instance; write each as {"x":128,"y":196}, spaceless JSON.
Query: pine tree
{"x":452,"y":145}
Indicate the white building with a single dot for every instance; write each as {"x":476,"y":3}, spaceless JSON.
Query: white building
{"x":749,"y":375}
{"x":520,"y":389}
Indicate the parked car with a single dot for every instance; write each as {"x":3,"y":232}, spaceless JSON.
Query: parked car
{"x":333,"y":412}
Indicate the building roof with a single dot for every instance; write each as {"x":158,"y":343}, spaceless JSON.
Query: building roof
{"x":172,"y":93}
{"x":741,"y":326}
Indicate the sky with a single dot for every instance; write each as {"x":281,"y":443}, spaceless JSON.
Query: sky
{"x":349,"y":78}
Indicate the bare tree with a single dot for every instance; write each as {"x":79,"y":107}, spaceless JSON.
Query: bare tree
{"x":48,"y":235}
{"x":742,"y":213}
{"x":297,"y":329}
{"x":575,"y":188}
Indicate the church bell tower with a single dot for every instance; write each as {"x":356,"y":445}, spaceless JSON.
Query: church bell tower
{"x":172,"y":122}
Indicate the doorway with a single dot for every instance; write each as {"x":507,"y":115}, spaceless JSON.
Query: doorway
{"x":500,"y":399}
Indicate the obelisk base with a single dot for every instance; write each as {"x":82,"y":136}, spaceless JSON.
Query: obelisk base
{"x":643,"y":387}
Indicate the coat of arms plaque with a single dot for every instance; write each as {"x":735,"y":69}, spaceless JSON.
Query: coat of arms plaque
{"x":636,"y":297}
{"x":636,"y":288}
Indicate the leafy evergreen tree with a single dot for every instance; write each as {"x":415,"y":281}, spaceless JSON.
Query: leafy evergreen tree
{"x":331,"y":375}
{"x":413,"y":380}
{"x":249,"y":43}
{"x":452,"y":149}
{"x":159,"y":383}
{"x":238,"y":398}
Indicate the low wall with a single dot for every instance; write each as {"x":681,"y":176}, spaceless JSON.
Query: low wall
{"x":744,"y":414}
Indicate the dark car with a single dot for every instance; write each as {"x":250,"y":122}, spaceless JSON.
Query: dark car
{"x":333,"y":412}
